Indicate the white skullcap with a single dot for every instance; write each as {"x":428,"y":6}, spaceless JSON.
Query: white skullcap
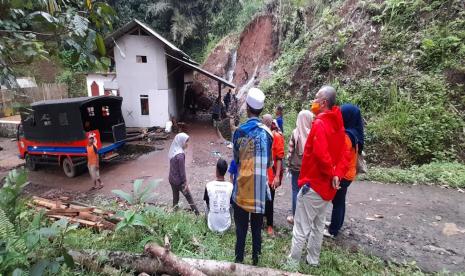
{"x":255,"y":98}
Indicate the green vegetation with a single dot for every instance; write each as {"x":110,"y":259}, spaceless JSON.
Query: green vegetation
{"x":38,"y":29}
{"x":30,"y":244}
{"x":194,"y":25}
{"x":27,"y":242}
{"x":450,"y":174}
{"x":190,"y":237}
{"x":405,"y":79}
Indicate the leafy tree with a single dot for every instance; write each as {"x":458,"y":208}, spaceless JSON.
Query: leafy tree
{"x":32,"y":29}
{"x":186,"y":18}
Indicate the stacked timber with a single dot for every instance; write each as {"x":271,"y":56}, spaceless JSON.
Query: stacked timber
{"x":75,"y":212}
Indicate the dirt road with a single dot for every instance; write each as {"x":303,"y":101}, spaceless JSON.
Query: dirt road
{"x":420,"y":223}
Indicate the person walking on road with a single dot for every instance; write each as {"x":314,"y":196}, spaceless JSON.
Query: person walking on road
{"x":324,"y":163}
{"x":296,"y":151}
{"x":252,"y":154}
{"x":177,"y":174}
{"x":355,"y":140}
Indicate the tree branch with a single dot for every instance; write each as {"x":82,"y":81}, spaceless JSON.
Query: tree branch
{"x":26,"y":32}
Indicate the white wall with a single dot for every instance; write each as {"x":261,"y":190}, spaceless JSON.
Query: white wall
{"x":135,"y":79}
{"x":159,"y":113}
{"x":100,"y":79}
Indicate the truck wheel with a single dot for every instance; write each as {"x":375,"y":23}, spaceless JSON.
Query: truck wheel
{"x":30,"y":163}
{"x":68,"y":167}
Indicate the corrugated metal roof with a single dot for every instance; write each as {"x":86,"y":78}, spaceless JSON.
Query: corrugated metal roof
{"x":202,"y":71}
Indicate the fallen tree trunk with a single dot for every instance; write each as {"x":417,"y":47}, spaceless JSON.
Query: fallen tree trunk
{"x":93,"y":264}
{"x":123,"y":260}
{"x":144,"y":263}
{"x":171,"y":260}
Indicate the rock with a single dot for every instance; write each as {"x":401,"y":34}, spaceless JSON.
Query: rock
{"x":435,"y":249}
{"x":451,"y":229}
{"x":438,"y":218}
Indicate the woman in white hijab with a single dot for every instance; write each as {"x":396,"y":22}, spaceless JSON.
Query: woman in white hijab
{"x":177,"y":176}
{"x":296,"y":151}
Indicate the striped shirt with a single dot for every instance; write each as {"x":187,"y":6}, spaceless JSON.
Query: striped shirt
{"x":252,"y":154}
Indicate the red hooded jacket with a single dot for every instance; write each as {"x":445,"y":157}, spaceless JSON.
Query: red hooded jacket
{"x":325,"y":154}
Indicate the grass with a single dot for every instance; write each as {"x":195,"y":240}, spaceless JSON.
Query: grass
{"x":190,"y":237}
{"x":438,"y":173}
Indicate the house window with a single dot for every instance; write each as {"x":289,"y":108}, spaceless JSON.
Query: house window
{"x":105,"y":111}
{"x":90,"y":111}
{"x":144,"y":104}
{"x":141,"y":59}
{"x":63,"y":119}
{"x":46,"y":119}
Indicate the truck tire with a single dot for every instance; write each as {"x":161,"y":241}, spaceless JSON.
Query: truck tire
{"x":68,"y":168}
{"x":30,"y":163}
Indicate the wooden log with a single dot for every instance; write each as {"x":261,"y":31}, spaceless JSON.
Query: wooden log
{"x":124,"y":261}
{"x":172,"y":261}
{"x":94,"y":265}
{"x":89,"y":216}
{"x":80,"y":221}
{"x":50,"y":204}
{"x":67,"y":211}
{"x":144,"y":263}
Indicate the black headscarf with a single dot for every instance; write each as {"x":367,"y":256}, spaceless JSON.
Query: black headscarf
{"x":353,"y":123}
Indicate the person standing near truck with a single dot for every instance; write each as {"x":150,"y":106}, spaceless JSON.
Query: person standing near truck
{"x":93,"y":163}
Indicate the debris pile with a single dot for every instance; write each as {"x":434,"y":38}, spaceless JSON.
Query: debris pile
{"x":75,"y":212}
{"x":149,"y":134}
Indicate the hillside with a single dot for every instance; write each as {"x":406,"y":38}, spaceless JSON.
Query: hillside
{"x":402,"y":62}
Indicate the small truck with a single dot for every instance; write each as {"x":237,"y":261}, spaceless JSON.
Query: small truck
{"x":55,"y":132}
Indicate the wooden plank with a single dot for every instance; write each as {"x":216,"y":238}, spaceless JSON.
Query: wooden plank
{"x":71,"y":210}
{"x":74,"y":204}
{"x":47,"y":203}
{"x":57,"y":212}
{"x":70,"y":219}
{"x":89,"y":216}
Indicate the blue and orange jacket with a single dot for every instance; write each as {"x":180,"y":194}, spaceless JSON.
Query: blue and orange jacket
{"x":252,"y":155}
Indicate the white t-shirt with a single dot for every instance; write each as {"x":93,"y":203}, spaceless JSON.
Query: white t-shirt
{"x":219,"y":195}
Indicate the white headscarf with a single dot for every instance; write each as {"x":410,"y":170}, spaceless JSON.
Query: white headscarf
{"x":178,"y":145}
{"x":303,"y":126}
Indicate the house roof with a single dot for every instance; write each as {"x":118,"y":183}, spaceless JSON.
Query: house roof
{"x":134,"y":23}
{"x":200,"y":70}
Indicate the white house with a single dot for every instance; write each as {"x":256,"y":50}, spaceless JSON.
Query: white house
{"x":99,"y":84}
{"x":151,"y":74}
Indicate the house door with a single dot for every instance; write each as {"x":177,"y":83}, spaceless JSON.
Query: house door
{"x":94,"y":89}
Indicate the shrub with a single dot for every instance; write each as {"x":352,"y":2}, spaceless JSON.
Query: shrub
{"x":451,"y":174}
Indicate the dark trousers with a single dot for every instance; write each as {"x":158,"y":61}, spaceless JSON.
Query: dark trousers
{"x":339,"y":208}
{"x":241,"y":218}
{"x":187,"y":194}
{"x":269,"y":205}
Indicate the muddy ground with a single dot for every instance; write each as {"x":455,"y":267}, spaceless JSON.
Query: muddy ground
{"x":400,"y":223}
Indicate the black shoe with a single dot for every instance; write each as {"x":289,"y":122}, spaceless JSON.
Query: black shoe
{"x":238,"y":262}
{"x":255,"y":261}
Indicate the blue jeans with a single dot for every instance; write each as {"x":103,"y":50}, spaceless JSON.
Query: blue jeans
{"x":339,"y":208}
{"x":295,"y":189}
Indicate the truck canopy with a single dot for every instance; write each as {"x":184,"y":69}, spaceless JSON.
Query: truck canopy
{"x":68,"y":120}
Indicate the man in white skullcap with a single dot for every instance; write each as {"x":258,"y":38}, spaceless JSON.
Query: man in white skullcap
{"x":252,"y":154}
